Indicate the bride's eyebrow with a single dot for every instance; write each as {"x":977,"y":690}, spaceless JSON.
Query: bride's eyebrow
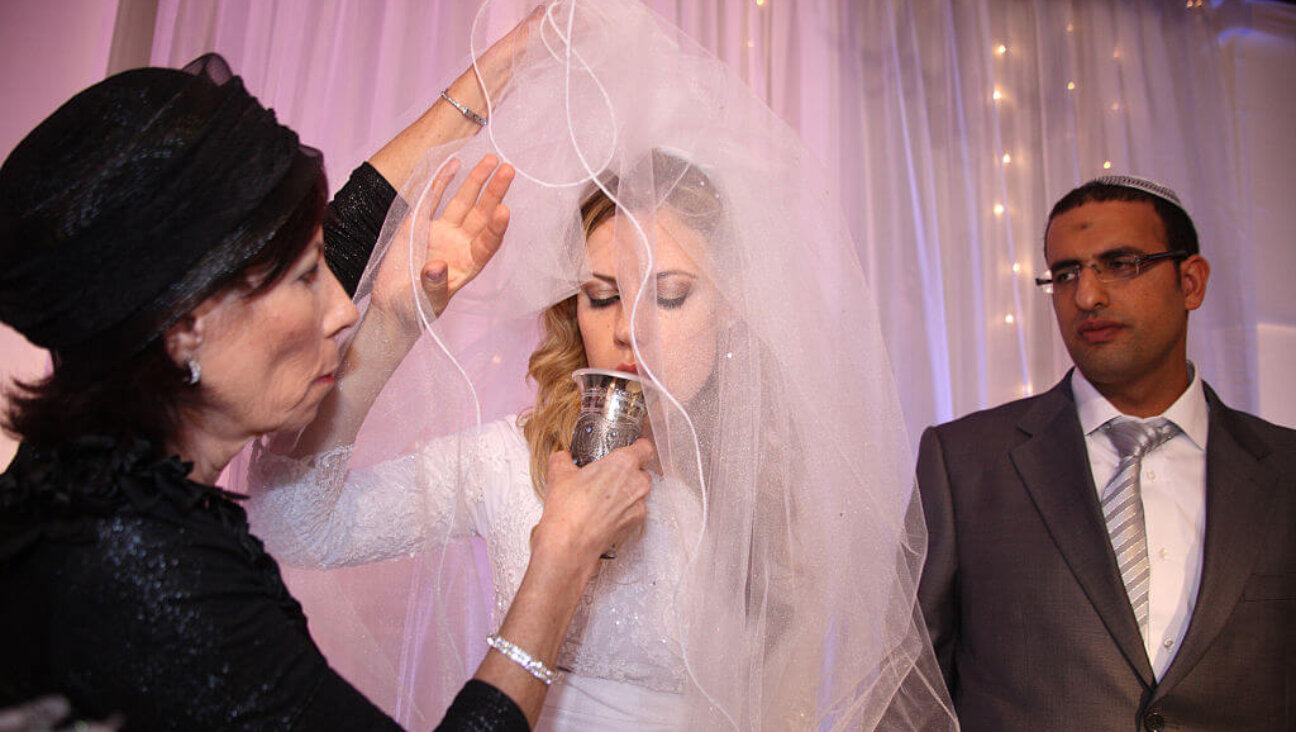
{"x":668,"y":273}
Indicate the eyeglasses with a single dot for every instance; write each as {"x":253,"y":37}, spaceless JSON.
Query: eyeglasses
{"x":1108,"y":268}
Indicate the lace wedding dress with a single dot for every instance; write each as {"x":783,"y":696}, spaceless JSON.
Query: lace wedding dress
{"x":622,"y":658}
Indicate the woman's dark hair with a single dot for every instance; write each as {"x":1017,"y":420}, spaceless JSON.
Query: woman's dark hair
{"x":143,"y":396}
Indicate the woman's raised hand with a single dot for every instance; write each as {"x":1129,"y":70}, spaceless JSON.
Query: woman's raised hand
{"x":458,"y":243}
{"x":493,"y":68}
{"x":468,"y":233}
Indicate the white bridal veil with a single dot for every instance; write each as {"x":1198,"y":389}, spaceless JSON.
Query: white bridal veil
{"x":787,"y":477}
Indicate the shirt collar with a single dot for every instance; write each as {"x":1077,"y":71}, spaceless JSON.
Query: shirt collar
{"x":1189,"y":412}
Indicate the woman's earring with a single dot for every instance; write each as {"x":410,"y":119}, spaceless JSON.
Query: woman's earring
{"x":194,"y":374}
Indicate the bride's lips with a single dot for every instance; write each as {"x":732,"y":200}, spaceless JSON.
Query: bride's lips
{"x":628,"y":368}
{"x":1099,"y":330}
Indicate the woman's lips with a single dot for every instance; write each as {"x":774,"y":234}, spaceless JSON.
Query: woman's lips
{"x":628,"y":368}
{"x":1098,"y":331}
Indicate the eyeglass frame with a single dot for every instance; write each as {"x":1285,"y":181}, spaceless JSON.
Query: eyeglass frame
{"x":1139,"y":264}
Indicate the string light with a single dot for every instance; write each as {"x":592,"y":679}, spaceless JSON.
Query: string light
{"x":1007,"y":158}
{"x":1115,"y":107}
{"x":1016,"y":268}
{"x":1070,"y":86}
{"x":1070,"y":27}
{"x":1009,"y":319}
{"x":1106,"y":165}
{"x":751,"y":43}
{"x":997,"y":95}
{"x":760,"y":3}
{"x":1116,"y":53}
{"x":998,"y":209}
{"x":1001,"y":49}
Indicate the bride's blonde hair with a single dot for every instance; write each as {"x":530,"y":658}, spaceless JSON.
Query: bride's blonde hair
{"x":548,"y":426}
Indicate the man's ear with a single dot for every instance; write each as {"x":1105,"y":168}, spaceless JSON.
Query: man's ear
{"x":1193,"y":274}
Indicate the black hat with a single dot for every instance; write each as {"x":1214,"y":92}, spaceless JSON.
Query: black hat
{"x":124,"y":208}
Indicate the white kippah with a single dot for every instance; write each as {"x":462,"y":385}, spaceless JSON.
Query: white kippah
{"x":1142,"y":184}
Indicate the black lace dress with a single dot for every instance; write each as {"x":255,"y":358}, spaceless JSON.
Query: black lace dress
{"x":130,"y":589}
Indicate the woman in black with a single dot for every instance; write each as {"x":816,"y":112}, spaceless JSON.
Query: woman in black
{"x":159,"y":234}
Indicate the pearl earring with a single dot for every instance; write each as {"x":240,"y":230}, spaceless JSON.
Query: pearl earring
{"x":194,"y":374}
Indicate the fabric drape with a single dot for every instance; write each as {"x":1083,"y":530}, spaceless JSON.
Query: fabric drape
{"x":946,"y":188}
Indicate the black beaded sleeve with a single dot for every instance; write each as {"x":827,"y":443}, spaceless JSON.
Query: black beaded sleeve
{"x":480,"y":707}
{"x":353,"y":222}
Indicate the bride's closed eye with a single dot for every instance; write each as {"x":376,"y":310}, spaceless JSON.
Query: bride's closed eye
{"x":673,"y":289}
{"x":599,"y":303}
{"x":601,"y":292}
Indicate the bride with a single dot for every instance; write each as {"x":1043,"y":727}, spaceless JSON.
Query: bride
{"x":663,"y":222}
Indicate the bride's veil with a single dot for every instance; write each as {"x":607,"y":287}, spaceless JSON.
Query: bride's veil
{"x":774,"y":415}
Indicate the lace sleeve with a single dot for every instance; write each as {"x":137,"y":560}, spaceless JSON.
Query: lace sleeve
{"x":317,"y":513}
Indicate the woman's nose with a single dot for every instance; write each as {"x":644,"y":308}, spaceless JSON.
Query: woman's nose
{"x":340,"y":312}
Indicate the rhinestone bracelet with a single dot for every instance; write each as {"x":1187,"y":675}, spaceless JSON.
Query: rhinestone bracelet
{"x":532,"y":665}
{"x":463,"y":109}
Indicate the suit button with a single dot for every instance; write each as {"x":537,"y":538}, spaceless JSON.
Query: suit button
{"x":1153,"y":722}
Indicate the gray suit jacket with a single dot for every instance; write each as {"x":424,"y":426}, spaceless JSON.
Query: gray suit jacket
{"x":1025,"y":605}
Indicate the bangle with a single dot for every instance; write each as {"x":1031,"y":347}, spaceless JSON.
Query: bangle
{"x":465,"y":111}
{"x":532,"y":665}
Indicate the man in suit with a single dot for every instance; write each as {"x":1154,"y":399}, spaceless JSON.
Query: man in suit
{"x":1190,"y":621}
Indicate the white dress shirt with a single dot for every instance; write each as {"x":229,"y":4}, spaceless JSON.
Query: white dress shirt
{"x":1173,"y":488}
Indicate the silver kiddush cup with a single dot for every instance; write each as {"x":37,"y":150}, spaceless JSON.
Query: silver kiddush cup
{"x":612,"y":412}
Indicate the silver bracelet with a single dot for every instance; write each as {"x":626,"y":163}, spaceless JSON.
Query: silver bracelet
{"x":532,"y":665}
{"x":465,"y":111}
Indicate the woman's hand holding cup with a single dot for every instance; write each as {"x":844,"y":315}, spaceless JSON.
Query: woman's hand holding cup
{"x":589,"y":509}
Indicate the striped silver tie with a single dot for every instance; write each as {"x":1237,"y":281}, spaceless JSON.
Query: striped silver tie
{"x":1122,"y":505}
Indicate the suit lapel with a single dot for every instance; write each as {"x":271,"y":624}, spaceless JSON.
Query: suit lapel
{"x":1054,"y":466}
{"x":1240,"y":493}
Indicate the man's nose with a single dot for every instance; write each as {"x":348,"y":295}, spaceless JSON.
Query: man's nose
{"x":1090,"y":292}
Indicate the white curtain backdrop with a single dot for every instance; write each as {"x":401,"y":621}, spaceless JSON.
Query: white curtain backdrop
{"x":950,"y":126}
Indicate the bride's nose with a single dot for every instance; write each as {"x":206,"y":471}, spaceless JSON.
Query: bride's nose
{"x":621,"y":328}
